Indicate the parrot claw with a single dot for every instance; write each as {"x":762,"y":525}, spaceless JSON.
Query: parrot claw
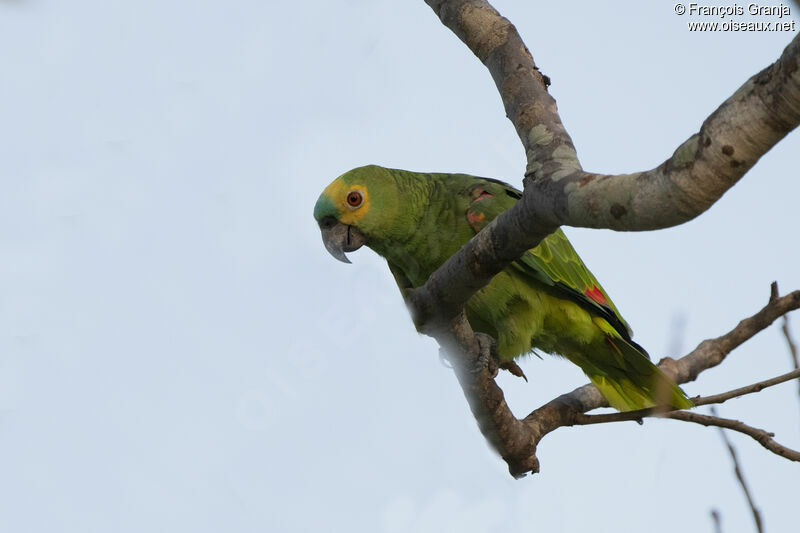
{"x":489,"y":357}
{"x":515,"y":370}
{"x":489,"y":347}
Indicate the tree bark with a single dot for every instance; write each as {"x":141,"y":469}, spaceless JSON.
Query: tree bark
{"x":557,"y":191}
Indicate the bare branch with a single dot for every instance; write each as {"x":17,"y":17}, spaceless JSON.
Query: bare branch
{"x":792,"y":346}
{"x":502,"y":429}
{"x":712,"y":352}
{"x":565,"y":409}
{"x":764,"y":438}
{"x":790,"y":342}
{"x":737,"y":469}
{"x":715,"y":516}
{"x":523,"y":89}
{"x":558,"y":192}
{"x":568,"y":409}
{"x":750,"y":389}
{"x":638,"y":415}
{"x":626,"y":416}
{"x":730,"y":141}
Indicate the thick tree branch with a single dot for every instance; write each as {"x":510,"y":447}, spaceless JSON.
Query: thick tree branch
{"x":730,"y":141}
{"x":506,"y":434}
{"x":495,"y":41}
{"x":558,"y":192}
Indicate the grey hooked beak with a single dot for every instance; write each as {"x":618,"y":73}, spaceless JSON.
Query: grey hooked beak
{"x":340,"y":238}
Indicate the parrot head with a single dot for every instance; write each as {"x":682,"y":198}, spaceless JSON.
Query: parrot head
{"x":356,"y":209}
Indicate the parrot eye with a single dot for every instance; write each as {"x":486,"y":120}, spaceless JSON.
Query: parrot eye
{"x":354,"y":199}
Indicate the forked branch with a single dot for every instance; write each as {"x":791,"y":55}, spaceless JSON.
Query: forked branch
{"x":762,"y":437}
{"x":516,"y":440}
{"x":559,"y":192}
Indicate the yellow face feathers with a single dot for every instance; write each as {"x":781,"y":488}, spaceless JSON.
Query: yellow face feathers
{"x":351,"y":201}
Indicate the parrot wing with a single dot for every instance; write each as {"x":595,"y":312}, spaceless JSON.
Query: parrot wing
{"x":554,"y":262}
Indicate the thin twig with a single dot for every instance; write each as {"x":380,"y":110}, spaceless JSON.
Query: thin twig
{"x":741,"y":391}
{"x":637,"y":415}
{"x":712,"y":352}
{"x":792,"y":346}
{"x":717,"y":518}
{"x":707,"y":354}
{"x":764,"y":438}
{"x":737,"y":469}
{"x":626,"y":416}
{"x":558,"y":192}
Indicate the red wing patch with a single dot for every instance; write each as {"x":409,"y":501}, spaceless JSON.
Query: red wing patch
{"x":475,"y":219}
{"x":479,"y":194}
{"x":595,"y":294}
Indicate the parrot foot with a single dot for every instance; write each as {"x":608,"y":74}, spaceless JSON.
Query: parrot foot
{"x":492,"y":358}
{"x":488,"y":358}
{"x":488,"y":353}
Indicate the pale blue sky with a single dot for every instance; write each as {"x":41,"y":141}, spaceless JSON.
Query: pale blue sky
{"x":178,"y":352}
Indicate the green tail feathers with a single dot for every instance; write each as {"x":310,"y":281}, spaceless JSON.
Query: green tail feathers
{"x":639,"y":384}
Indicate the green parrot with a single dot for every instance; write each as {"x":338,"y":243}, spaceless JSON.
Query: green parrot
{"x":546,"y":300}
